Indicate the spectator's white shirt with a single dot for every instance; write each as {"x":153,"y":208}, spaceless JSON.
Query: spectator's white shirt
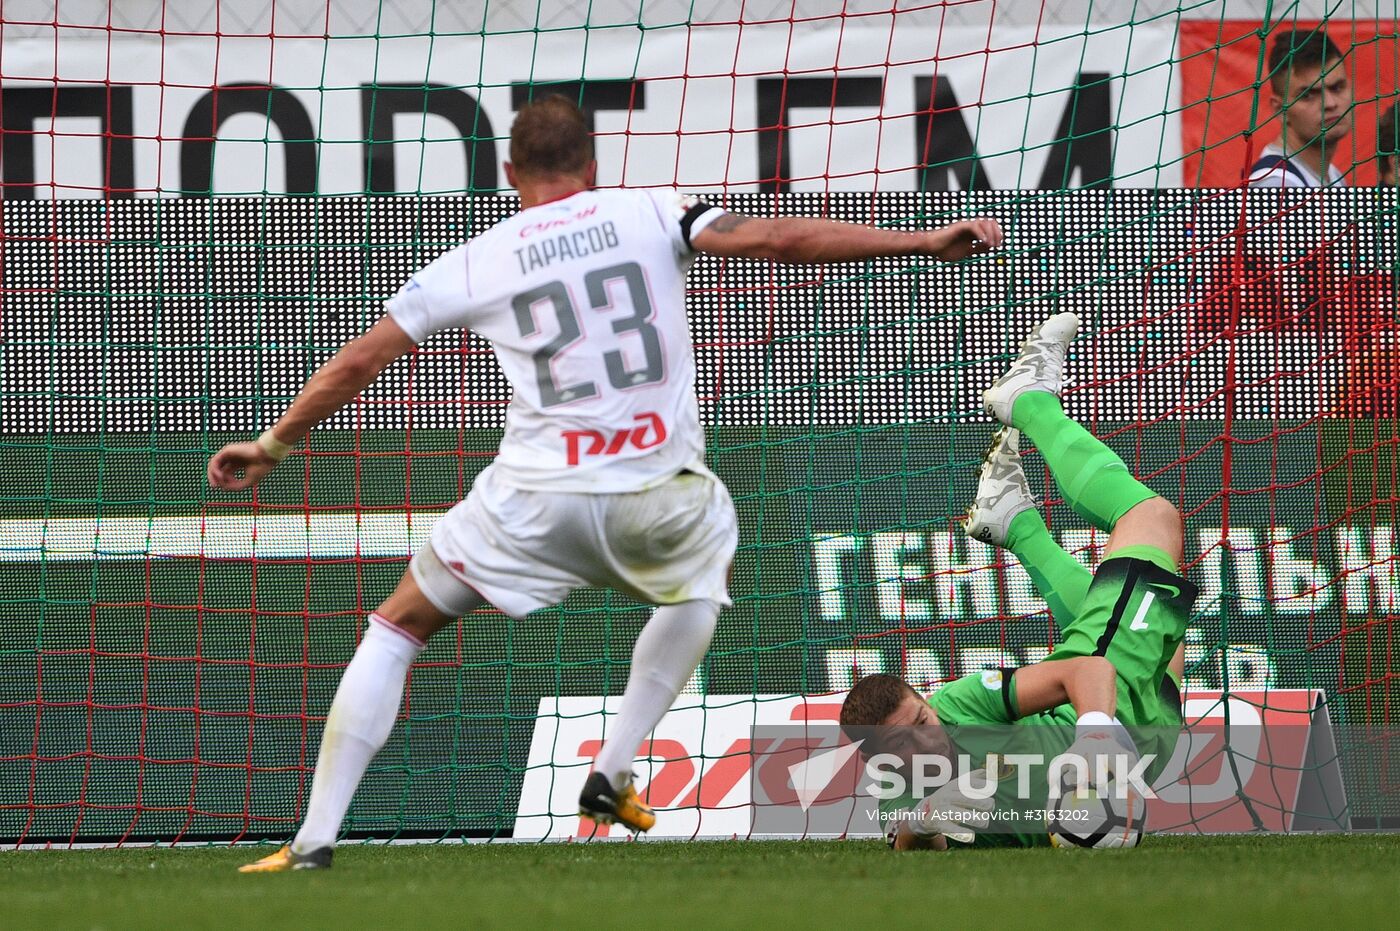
{"x":583,"y":301}
{"x":1300,"y":175}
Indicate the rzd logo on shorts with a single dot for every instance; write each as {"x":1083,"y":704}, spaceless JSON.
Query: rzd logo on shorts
{"x":602,"y":445}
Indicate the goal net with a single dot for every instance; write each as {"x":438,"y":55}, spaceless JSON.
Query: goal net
{"x":202,"y":203}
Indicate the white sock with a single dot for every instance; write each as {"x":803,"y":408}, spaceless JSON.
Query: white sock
{"x":359,"y":722}
{"x":669,"y":648}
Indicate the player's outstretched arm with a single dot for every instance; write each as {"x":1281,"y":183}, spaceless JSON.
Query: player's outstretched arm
{"x":1089,"y":683}
{"x":335,"y":384}
{"x":802,"y":239}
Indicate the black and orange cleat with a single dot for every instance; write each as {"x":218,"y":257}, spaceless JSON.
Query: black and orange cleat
{"x":606,"y":805}
{"x":287,"y":859}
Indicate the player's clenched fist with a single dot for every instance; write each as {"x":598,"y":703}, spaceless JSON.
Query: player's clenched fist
{"x":966,"y":238}
{"x":240,"y":465}
{"x":1103,"y":755}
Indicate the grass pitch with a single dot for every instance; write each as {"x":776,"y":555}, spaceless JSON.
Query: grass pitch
{"x":1170,"y":882}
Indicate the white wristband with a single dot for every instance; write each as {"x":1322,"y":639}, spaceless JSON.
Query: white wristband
{"x":1096,"y":722}
{"x":275,"y":448}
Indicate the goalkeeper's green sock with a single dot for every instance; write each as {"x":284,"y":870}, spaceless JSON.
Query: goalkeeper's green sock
{"x":1094,"y":481}
{"x":1057,"y":575}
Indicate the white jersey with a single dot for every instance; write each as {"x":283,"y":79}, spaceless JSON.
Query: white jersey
{"x":1275,"y":169}
{"x":583,"y":301}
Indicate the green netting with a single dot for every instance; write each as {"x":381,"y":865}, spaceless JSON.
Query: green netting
{"x":164,"y":675}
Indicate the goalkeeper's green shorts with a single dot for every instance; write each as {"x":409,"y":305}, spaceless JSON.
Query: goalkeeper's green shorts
{"x":1135,"y":615}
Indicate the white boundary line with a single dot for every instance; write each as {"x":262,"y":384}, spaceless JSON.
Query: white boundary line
{"x":421,"y":841}
{"x":319,"y":535}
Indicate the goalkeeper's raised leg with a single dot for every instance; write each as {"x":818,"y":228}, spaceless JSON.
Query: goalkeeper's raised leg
{"x":1095,"y":482}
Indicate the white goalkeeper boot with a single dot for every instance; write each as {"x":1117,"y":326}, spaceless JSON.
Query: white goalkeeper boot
{"x":1039,"y":367}
{"x":1002,"y":490}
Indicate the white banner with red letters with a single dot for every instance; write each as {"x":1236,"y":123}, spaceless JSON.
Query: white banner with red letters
{"x":1281,"y":771}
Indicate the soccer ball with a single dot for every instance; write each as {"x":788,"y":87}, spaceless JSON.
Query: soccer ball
{"x":1111,"y":816}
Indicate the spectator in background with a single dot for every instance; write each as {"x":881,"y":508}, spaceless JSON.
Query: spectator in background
{"x":1361,"y":438}
{"x":1310,"y":89}
{"x":1388,"y":146}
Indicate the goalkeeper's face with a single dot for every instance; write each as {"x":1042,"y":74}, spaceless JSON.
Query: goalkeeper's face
{"x":910,"y":730}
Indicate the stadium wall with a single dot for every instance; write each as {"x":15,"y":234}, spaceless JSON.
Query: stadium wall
{"x":166,"y":654}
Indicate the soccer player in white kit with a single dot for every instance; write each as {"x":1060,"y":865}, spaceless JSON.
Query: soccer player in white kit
{"x":601,"y":478}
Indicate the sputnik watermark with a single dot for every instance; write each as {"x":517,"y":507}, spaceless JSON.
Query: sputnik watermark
{"x":1124,"y":774}
{"x":815,"y":779}
{"x":812,"y":775}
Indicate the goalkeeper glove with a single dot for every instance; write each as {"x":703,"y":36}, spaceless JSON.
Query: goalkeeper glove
{"x":953,"y":813}
{"x":1105,"y":747}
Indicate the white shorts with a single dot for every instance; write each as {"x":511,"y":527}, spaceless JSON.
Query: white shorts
{"x":524,"y":550}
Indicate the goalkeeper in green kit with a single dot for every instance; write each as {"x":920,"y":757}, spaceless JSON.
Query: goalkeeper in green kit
{"x":1110,"y":690}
